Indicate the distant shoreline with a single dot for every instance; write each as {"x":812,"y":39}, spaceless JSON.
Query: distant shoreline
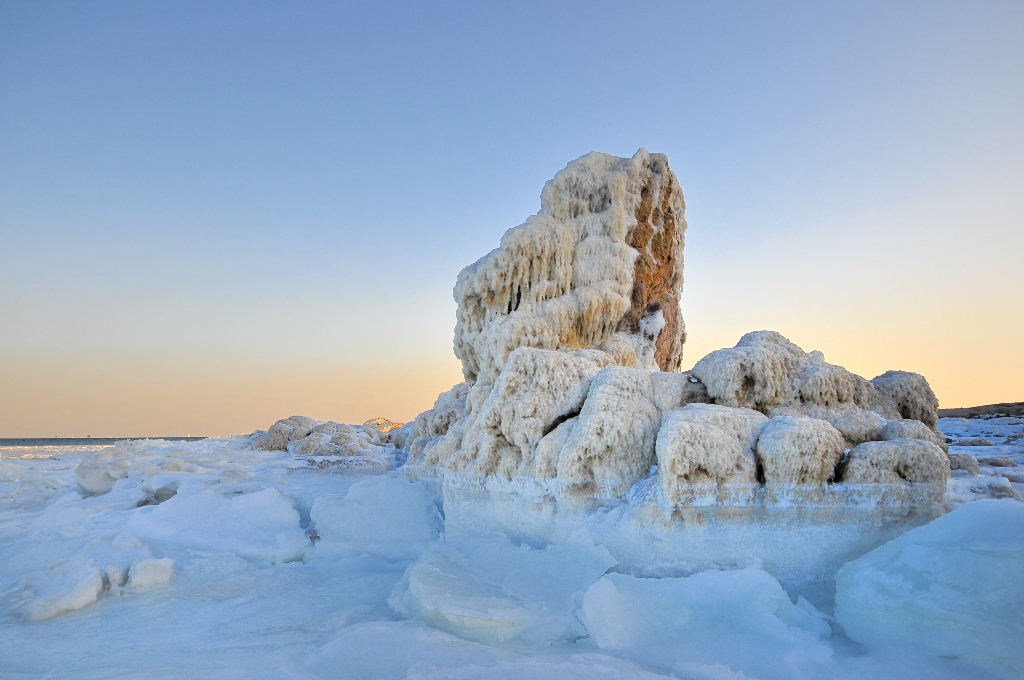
{"x":71,"y":441}
{"x":1013,"y":408}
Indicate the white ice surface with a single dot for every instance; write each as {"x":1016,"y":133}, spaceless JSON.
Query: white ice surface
{"x":953,"y":587}
{"x":281,"y":570}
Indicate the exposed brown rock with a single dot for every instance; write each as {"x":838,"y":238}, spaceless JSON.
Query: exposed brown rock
{"x":658,"y":238}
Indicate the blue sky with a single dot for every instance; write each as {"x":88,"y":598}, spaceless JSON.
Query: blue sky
{"x":198,"y":193}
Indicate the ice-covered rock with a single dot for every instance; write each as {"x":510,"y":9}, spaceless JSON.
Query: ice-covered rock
{"x":895,"y":461}
{"x":911,"y":395}
{"x":857,"y":425}
{"x":949,"y":587}
{"x":998,"y":461}
{"x":277,"y":436}
{"x":702,"y":446}
{"x":797,"y":450}
{"x":364,"y":447}
{"x":611,"y":445}
{"x":601,"y":262}
{"x":912,"y":429}
{"x":741,"y":621}
{"x":765,"y":370}
{"x":536,"y":391}
{"x":569,"y":334}
{"x":964,"y":461}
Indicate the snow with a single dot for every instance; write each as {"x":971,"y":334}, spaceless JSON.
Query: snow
{"x":212,"y":559}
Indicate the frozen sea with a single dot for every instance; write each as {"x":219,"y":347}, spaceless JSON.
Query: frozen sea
{"x":203,"y":559}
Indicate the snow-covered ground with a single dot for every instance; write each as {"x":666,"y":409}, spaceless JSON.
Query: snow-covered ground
{"x":209,"y":560}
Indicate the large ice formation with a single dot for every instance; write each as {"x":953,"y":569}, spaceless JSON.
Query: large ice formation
{"x":570,"y":336}
{"x":950,"y":587}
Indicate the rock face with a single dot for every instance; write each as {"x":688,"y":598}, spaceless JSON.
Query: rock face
{"x":570,"y":338}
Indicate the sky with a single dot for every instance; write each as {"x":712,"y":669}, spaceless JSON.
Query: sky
{"x":215,"y":215}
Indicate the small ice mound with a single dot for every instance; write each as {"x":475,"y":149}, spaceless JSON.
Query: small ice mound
{"x":146,"y":575}
{"x":951,"y":587}
{"x":259,"y":526}
{"x":384,"y":516}
{"x":483,"y":587}
{"x":65,"y":587}
{"x":741,"y":620}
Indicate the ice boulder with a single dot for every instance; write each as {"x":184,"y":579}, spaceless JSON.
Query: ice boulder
{"x":951,"y":587}
{"x":148,"y":574}
{"x":741,"y":620}
{"x":65,"y":587}
{"x":385,"y":516}
{"x":259,"y":526}
{"x":483,"y":587}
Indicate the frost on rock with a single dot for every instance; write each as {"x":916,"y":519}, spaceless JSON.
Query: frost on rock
{"x":601,"y":261}
{"x":951,"y":587}
{"x":857,"y":425}
{"x":765,"y":371}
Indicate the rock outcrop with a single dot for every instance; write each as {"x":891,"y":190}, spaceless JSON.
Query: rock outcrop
{"x":570,"y":336}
